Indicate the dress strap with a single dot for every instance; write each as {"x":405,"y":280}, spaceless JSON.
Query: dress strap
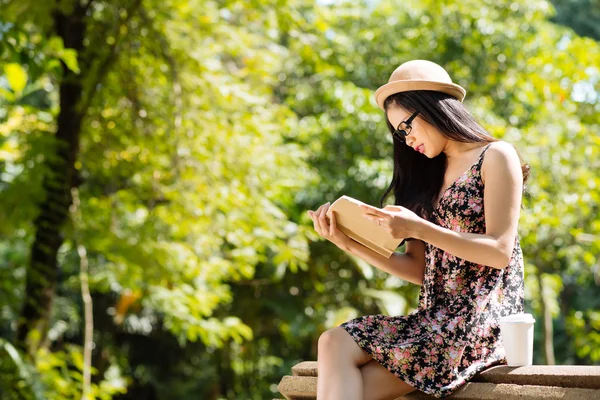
{"x":485,"y":149}
{"x":480,"y":159}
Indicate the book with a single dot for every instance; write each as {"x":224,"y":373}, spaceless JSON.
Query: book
{"x":350,"y":220}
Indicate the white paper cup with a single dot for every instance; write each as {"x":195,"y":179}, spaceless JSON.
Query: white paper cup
{"x":517,"y":338}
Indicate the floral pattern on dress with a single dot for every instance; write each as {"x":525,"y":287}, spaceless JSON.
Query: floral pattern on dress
{"x":453,"y":334}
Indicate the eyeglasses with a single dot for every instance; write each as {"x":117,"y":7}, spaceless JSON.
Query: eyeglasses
{"x":404,"y":128}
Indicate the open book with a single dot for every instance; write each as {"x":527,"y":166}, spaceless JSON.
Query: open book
{"x":350,"y":220}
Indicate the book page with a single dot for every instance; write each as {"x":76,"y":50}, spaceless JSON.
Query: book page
{"x":350,"y":220}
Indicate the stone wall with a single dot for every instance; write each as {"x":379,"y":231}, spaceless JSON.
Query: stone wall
{"x":571,"y":382}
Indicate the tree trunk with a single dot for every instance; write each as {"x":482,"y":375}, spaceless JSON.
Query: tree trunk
{"x":60,"y":178}
{"x":547,"y":324}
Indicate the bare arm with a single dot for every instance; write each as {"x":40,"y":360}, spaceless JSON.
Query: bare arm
{"x":501,"y":172}
{"x":409,"y":266}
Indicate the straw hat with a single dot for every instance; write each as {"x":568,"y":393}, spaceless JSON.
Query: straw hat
{"x":419,"y":75}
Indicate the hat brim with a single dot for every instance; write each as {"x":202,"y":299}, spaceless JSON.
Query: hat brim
{"x":404,"y":86}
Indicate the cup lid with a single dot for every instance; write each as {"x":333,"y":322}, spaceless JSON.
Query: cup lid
{"x":520,"y":318}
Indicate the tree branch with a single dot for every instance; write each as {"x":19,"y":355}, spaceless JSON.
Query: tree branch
{"x":101,"y":67}
{"x":165,"y":53}
{"x":82,"y":9}
{"x":88,"y":337}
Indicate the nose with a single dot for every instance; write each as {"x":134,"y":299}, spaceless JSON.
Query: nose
{"x":410,"y":139}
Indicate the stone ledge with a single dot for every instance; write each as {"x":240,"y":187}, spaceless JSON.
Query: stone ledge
{"x":306,"y":368}
{"x":298,"y":387}
{"x":505,"y":391}
{"x":574,"y":376}
{"x":500,"y":382}
{"x":568,"y":376}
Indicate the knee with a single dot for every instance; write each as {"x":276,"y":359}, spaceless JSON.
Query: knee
{"x":337,"y":344}
{"x":330,"y":340}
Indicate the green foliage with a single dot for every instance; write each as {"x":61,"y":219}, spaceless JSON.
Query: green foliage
{"x":584,"y":327}
{"x":580,"y":15}
{"x":61,"y":372}
{"x":18,"y":378}
{"x":211,"y":131}
{"x":16,"y":77}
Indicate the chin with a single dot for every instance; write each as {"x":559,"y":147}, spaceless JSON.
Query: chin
{"x":429,"y":153}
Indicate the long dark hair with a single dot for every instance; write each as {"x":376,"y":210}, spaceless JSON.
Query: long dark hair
{"x":417,"y":179}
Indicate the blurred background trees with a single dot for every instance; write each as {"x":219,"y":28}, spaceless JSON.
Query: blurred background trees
{"x":196,"y":134}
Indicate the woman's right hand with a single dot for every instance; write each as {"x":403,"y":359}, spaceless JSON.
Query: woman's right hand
{"x":328,"y":229}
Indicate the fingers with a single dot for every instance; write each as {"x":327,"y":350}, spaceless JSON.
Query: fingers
{"x":317,"y":220}
{"x":320,"y":219}
{"x":393,"y":208}
{"x":323,"y":225}
{"x":370,"y":209}
{"x":327,"y":227}
{"x":314,"y":215}
{"x":373,"y":212}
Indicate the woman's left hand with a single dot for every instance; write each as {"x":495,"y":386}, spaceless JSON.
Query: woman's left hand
{"x":400,"y":222}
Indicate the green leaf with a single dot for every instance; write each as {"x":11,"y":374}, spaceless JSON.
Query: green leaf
{"x":17,"y":77}
{"x":7,"y":94}
{"x":69,"y":57}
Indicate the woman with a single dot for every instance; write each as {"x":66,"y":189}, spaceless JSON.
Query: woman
{"x":458,"y":195}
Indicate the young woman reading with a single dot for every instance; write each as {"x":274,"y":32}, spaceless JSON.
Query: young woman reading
{"x":458,"y":195}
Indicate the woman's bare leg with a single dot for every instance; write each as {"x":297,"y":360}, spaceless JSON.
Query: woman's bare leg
{"x":381,"y":384}
{"x":338,"y":361}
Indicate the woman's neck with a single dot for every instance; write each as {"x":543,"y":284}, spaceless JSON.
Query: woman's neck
{"x":456,"y":150}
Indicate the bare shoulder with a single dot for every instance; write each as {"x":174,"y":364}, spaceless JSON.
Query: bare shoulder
{"x":501,"y":159}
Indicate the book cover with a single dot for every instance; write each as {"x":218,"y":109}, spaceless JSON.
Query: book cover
{"x":350,"y":220}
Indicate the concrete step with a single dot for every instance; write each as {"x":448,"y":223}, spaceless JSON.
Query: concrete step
{"x":501,"y":382}
{"x":298,"y":387}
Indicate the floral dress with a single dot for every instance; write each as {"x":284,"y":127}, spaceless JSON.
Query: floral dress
{"x":454,"y":332}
